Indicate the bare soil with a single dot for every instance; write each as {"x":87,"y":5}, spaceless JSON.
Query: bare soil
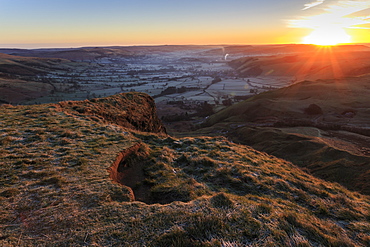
{"x":128,"y":171}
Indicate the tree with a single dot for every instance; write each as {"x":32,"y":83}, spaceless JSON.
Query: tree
{"x":227,"y":102}
{"x":313,"y":109}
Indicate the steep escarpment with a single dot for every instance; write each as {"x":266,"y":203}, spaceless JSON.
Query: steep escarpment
{"x":132,"y":110}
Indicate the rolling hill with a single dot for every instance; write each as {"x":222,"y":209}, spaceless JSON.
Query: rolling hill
{"x":320,"y":125}
{"x":31,"y":66}
{"x":89,"y":54}
{"x":303,"y":62}
{"x":74,"y":54}
{"x":19,"y":76}
{"x":74,"y":175}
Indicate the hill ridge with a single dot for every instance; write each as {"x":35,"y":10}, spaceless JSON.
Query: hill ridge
{"x":55,"y":189}
{"x":132,"y":110}
{"x":320,"y":125}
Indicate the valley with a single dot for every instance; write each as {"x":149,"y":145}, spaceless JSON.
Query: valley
{"x":180,"y":78}
{"x":263,"y":145}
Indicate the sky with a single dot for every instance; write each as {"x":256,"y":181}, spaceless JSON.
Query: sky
{"x":74,"y":23}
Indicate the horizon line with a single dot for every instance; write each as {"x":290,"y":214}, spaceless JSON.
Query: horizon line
{"x":35,"y":46}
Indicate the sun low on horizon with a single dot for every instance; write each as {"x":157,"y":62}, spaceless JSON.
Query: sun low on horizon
{"x":327,"y":36}
{"x":329,"y":23}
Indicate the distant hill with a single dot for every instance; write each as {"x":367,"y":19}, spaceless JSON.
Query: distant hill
{"x":320,"y":125}
{"x":19,"y":76}
{"x":282,"y":49}
{"x":87,"y":54}
{"x":75,"y":174}
{"x":344,"y":102}
{"x":74,"y":54}
{"x":303,"y":62}
{"x":30,"y":66}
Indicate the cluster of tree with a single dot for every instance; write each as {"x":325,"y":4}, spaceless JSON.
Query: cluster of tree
{"x":176,"y":117}
{"x":133,"y":84}
{"x":146,"y":71}
{"x":216,"y":79}
{"x":173,"y":90}
{"x":202,"y":110}
{"x":313,"y":109}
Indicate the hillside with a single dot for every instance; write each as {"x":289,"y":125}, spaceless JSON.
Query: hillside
{"x":320,"y":125}
{"x":276,"y":49}
{"x":98,"y":53}
{"x":71,"y":175}
{"x":19,"y":76}
{"x":130,"y":110}
{"x":304,"y":62}
{"x":322,"y":102}
{"x":74,"y":54}
{"x":31,"y":66}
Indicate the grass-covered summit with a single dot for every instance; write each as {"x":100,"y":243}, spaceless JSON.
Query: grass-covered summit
{"x":67,"y":178}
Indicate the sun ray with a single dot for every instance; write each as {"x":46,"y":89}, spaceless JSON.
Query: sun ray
{"x":331,"y":21}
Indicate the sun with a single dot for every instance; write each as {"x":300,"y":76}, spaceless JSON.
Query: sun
{"x":327,"y":36}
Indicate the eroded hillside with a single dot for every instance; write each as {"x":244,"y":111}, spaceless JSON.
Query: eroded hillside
{"x":68,"y":178}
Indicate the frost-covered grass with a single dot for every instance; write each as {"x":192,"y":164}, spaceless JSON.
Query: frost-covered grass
{"x":55,"y":190}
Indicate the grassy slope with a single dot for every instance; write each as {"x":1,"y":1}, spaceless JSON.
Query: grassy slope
{"x":132,"y":110}
{"x":333,"y":96}
{"x":335,"y":162}
{"x":31,"y":65}
{"x":18,"y":80}
{"x":308,"y":63}
{"x":17,"y":90}
{"x":326,"y":155}
{"x":55,"y":190}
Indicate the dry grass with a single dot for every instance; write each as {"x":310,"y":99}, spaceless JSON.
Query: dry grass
{"x":55,"y":190}
{"x":331,"y":145}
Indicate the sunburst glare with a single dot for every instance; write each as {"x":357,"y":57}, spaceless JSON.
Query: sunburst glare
{"x":329,"y":27}
{"x":327,"y":35}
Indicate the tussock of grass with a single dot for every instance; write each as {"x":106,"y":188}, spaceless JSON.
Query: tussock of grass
{"x":221,"y":200}
{"x":55,"y":190}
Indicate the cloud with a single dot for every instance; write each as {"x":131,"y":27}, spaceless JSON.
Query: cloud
{"x":312,"y":4}
{"x":343,"y":13}
{"x":363,"y":12}
{"x":362,"y":17}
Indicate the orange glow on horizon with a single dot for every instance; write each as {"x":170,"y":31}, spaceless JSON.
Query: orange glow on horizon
{"x":327,"y":35}
{"x":336,"y":24}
